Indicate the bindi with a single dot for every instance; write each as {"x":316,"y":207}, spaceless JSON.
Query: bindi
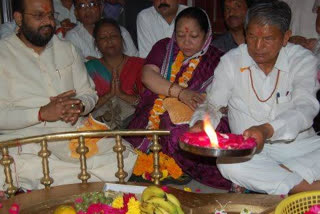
{"x":186,"y":29}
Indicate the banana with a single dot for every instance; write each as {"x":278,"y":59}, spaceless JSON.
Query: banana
{"x":175,"y":201}
{"x":151,"y":191}
{"x":166,"y":205}
{"x":179,"y":210}
{"x":163,"y":211}
{"x":147,"y":208}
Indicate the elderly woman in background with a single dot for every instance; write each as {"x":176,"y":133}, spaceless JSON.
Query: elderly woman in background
{"x":117,"y":76}
{"x":178,"y":70}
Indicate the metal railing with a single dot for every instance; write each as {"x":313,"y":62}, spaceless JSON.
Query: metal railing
{"x":84,"y":176}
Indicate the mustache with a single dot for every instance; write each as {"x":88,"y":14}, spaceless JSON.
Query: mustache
{"x":163,"y":5}
{"x":46,"y":26}
{"x":234,"y":17}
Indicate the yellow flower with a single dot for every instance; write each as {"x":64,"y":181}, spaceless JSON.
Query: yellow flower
{"x":133,"y":206}
{"x":117,"y":202}
{"x":165,"y":174}
{"x":187,"y":189}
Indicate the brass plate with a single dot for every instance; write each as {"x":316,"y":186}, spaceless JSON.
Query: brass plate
{"x":212,"y":152}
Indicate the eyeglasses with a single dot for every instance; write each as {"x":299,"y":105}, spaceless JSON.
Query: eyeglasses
{"x":42,"y":16}
{"x":88,"y":5}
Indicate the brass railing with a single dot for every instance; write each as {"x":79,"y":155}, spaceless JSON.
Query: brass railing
{"x":84,"y":176}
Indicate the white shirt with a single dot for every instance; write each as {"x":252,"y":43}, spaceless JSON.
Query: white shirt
{"x":291,"y":114}
{"x":84,"y":42}
{"x":303,"y":22}
{"x":152,"y":27}
{"x":63,"y":13}
{"x":28,"y":80}
{"x":8,"y":28}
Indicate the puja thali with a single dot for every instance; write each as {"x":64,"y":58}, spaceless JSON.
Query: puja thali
{"x":213,"y":152}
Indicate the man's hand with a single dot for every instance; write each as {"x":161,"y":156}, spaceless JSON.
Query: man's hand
{"x":260,"y":134}
{"x":197,"y":127}
{"x":62,"y":107}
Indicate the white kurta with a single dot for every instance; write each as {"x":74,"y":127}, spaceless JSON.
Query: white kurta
{"x":63,"y":13}
{"x":303,"y":21}
{"x":27,"y":82}
{"x":7,"y":29}
{"x":84,"y":42}
{"x":290,"y":111}
{"x":152,"y":27}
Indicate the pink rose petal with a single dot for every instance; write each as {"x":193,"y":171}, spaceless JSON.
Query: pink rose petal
{"x":14,"y":209}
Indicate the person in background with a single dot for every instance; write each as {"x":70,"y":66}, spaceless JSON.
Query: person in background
{"x":113,"y":9}
{"x":234,"y":15}
{"x":131,"y":11}
{"x":88,"y":12}
{"x":64,"y":15}
{"x":156,"y":23}
{"x":269,"y":86}
{"x":302,"y":23}
{"x":177,"y":71}
{"x":8,"y":28}
{"x":114,"y":74}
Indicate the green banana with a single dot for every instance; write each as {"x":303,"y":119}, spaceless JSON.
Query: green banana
{"x":163,"y":211}
{"x":166,"y":205}
{"x":147,"y":208}
{"x":151,"y":191}
{"x":175,"y":201}
{"x":179,"y":210}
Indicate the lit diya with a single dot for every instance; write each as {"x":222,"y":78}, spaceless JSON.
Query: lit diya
{"x":215,"y":144}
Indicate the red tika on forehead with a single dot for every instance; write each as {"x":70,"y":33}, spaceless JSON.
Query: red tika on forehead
{"x":186,"y":29}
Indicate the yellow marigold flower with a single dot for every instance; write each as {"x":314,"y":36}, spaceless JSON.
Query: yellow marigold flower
{"x":133,"y":206}
{"x":165,"y":174}
{"x":187,"y":189}
{"x":117,"y":202}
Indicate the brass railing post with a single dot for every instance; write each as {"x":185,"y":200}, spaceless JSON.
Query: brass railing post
{"x":156,"y":147}
{"x":82,"y":150}
{"x":119,"y":148}
{"x":44,"y":154}
{"x":6,"y":161}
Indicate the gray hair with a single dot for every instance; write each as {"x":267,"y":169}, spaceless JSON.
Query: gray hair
{"x":276,"y":13}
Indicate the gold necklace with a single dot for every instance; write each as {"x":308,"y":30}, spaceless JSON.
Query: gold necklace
{"x":254,"y":90}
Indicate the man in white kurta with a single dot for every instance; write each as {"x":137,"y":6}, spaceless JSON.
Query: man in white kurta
{"x":33,"y":74}
{"x":291,"y":154}
{"x":153,"y":26}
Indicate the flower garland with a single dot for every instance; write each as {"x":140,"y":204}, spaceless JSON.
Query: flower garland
{"x":158,"y":109}
{"x":144,"y":166}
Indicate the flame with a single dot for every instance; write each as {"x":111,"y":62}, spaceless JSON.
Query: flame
{"x":210,"y":132}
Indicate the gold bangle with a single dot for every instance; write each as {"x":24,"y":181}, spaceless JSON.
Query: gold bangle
{"x":169,"y":90}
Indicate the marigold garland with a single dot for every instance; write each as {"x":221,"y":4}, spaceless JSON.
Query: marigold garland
{"x":158,"y":109}
{"x":168,"y":166}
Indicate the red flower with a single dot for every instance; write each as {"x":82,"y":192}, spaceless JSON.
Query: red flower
{"x":165,"y":188}
{"x":314,"y":210}
{"x":14,"y":209}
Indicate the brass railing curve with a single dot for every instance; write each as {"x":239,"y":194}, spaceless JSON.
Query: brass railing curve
{"x":84,"y":176}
